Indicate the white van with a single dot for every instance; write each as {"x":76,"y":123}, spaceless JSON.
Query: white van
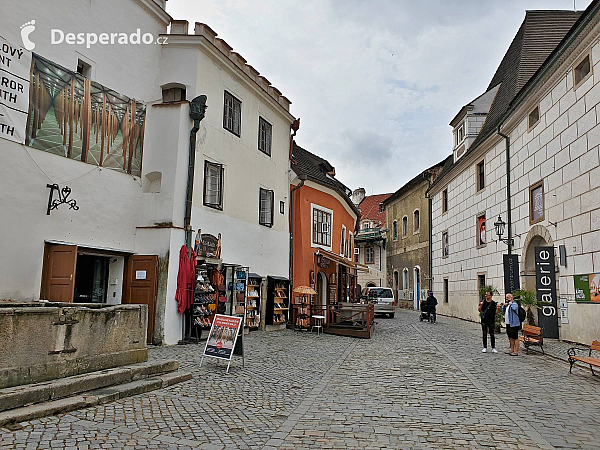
{"x":382,"y":298}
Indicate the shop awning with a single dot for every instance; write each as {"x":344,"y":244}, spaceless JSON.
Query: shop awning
{"x":341,"y":260}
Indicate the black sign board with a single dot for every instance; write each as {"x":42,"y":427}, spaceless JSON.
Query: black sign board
{"x":511,"y":273}
{"x":209,"y":246}
{"x":545,"y":287}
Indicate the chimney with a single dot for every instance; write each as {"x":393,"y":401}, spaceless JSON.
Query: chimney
{"x":358,"y":196}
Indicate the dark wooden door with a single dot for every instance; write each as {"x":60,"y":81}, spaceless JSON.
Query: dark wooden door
{"x":58,"y":273}
{"x":141,"y":278}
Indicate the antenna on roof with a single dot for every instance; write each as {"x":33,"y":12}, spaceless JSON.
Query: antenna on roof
{"x":574,"y":7}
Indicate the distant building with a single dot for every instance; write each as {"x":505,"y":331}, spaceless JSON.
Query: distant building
{"x":408,"y":238}
{"x":371,"y":238}
{"x":323,"y":223}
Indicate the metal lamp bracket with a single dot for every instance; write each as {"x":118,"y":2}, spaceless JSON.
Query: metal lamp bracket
{"x":63,"y":198}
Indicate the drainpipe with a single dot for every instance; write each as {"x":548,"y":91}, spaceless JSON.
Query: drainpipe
{"x":197,"y":110}
{"x":430,"y":231}
{"x":302,"y":178}
{"x":508,"y":205}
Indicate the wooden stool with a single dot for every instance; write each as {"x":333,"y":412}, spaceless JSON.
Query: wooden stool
{"x":318,"y":323}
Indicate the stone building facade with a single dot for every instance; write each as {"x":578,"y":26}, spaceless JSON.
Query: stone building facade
{"x":549,"y":115}
{"x":408,"y":231}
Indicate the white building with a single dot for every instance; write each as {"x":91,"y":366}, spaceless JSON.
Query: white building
{"x":546,"y":94}
{"x":370,"y":239}
{"x":128,"y":173}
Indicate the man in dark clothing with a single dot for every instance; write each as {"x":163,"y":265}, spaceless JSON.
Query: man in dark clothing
{"x":431,"y":304}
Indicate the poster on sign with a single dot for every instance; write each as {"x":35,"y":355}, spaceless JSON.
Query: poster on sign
{"x":15,"y":67}
{"x":222,"y":338}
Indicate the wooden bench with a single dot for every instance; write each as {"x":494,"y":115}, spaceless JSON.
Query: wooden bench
{"x":573,"y":358}
{"x":532,"y":336}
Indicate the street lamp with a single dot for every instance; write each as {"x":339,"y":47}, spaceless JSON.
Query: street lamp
{"x":500,"y":225}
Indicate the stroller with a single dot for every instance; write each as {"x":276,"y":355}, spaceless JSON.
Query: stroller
{"x":424,"y":312}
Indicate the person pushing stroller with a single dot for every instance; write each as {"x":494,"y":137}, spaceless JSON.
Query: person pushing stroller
{"x":431,"y":304}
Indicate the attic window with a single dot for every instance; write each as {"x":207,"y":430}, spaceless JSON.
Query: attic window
{"x":381,"y":208}
{"x":582,"y":71}
{"x":84,"y":68}
{"x":533,"y":118}
{"x":174,"y":94}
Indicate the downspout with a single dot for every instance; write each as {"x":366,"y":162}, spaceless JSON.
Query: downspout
{"x":302,"y":178}
{"x":430,"y":231}
{"x":197,"y":110}
{"x":508,"y":202}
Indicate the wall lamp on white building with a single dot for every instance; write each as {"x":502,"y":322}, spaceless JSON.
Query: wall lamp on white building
{"x":500,"y":225}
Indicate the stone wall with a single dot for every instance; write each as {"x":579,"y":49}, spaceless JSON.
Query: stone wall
{"x":41,"y":343}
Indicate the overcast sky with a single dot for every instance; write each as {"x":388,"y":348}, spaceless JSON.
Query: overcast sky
{"x":374,"y":82}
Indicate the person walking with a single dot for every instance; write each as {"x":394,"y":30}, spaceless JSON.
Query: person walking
{"x":431,"y":304}
{"x":488,"y":309}
{"x":513,"y":324}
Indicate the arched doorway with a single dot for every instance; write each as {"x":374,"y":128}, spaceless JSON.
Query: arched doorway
{"x":417,"y":287}
{"x":322,"y":293}
{"x":539,"y":236}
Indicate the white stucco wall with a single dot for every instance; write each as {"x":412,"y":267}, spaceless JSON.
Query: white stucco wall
{"x":563,"y":151}
{"x":246,"y":169}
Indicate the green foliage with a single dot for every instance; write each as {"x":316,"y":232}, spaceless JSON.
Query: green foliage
{"x":484,"y":289}
{"x":526,"y":298}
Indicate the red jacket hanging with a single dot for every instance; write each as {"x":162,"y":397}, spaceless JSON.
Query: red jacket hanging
{"x":183,"y":277}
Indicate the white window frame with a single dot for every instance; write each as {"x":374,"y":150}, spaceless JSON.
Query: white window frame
{"x":343,"y":241}
{"x":312,"y":242}
{"x":367,"y":255}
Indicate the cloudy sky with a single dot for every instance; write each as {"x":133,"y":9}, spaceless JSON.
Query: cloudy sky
{"x":375,"y":82}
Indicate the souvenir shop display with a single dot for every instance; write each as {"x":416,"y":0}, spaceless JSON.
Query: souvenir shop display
{"x":277,"y":301}
{"x":253,"y":302}
{"x":238,"y":288}
{"x":208,"y":296}
{"x":302,"y":303}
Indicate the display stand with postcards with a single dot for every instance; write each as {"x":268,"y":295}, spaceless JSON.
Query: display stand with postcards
{"x":253,"y":302}
{"x":277,"y":303}
{"x":239,"y":293}
{"x":303,"y":300}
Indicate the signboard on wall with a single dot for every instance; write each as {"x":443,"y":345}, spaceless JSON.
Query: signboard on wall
{"x":587,"y":288}
{"x":545,"y":287}
{"x":15,"y":67}
{"x":511,"y":273}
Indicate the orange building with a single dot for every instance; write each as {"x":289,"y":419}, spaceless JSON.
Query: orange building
{"x":323,"y":225}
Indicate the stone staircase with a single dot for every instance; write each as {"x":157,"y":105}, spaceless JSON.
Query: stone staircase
{"x":31,"y":401}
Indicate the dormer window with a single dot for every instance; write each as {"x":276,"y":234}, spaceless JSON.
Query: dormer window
{"x":459,"y":135}
{"x":381,"y":208}
{"x":172,"y":94}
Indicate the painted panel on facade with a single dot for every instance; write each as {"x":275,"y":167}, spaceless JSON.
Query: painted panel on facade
{"x":73,"y":117}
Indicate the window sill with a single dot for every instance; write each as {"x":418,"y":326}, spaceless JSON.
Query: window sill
{"x":233,"y":132}
{"x":218,"y":208}
{"x":583,"y":80}
{"x":266,"y":225}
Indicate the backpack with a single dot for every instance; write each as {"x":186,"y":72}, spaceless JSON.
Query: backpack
{"x":522,"y":314}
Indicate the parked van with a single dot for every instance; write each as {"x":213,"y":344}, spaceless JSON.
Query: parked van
{"x":382,"y":298}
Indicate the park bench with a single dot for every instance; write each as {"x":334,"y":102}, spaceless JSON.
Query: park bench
{"x":532,"y":336}
{"x":573,"y":358}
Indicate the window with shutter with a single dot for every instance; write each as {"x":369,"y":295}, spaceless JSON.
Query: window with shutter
{"x":213,"y":185}
{"x":232,"y":114}
{"x":265,"y":214}
{"x":265,"y":131}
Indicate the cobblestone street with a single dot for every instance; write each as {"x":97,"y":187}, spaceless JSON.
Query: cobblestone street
{"x":414,"y":385}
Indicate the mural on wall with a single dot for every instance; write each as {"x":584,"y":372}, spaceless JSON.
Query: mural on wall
{"x":587,"y":288}
{"x":71,"y":116}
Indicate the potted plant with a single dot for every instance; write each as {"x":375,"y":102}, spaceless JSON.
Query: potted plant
{"x":528,"y":301}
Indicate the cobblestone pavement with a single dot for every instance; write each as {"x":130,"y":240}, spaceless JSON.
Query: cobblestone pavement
{"x":413,"y":385}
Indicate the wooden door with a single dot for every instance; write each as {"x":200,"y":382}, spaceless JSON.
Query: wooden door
{"x":58,"y":273}
{"x":141,"y":278}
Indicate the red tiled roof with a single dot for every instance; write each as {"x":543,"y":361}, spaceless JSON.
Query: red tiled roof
{"x":369,"y":208}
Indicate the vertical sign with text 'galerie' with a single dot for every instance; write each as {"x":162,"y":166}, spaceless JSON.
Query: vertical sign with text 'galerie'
{"x":545,"y":288}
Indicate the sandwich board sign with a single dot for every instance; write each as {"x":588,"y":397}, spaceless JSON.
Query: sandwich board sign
{"x":221,"y":342}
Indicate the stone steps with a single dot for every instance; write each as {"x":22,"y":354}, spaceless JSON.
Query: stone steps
{"x":21,"y":403}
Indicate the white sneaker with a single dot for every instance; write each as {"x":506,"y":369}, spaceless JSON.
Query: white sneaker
{"x":494,"y":350}
{"x":484,"y":350}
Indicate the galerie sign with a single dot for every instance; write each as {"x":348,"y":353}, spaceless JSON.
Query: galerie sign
{"x":15,"y":66}
{"x":545,"y":287}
